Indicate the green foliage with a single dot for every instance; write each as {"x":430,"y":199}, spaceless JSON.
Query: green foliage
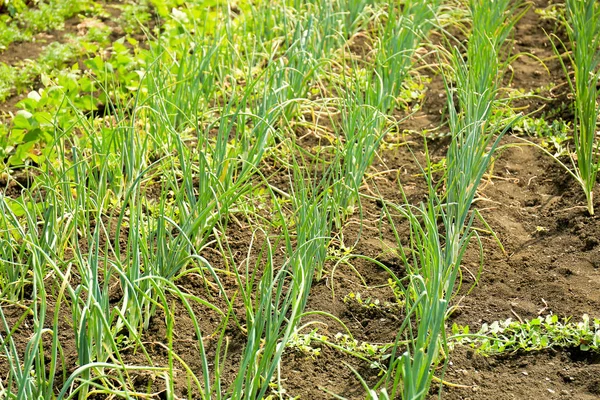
{"x":53,"y":60}
{"x":22,"y":22}
{"x":145,"y":159}
{"x":375,"y":354}
{"x":537,"y":334}
{"x":371,"y":304}
{"x":441,"y":228}
{"x":583,"y":27}
{"x":406,"y":27}
{"x":12,"y":7}
{"x":555,"y":136}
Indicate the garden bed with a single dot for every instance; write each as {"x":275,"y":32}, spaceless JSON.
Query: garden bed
{"x":539,"y":254}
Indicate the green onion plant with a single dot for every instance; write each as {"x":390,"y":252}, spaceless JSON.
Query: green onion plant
{"x":405,"y":28}
{"x":367,"y":96}
{"x":441,"y":228}
{"x":583,"y":28}
{"x":275,"y":299}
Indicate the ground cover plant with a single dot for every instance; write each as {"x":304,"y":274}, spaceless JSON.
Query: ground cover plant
{"x":305,"y":199}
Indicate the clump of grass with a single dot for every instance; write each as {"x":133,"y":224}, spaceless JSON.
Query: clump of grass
{"x":476,"y":81}
{"x":431,"y":274}
{"x":27,"y":376}
{"x":360,"y":131}
{"x":356,"y":14}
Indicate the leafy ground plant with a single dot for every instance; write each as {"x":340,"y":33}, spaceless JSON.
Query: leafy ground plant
{"x":537,"y":334}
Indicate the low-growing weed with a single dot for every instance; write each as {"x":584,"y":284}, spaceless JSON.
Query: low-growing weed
{"x":537,"y":334}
